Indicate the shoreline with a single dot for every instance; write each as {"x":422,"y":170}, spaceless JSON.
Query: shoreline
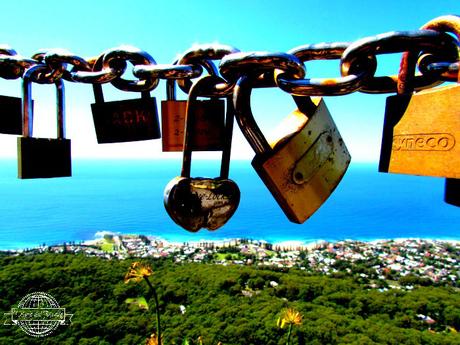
{"x":288,"y":244}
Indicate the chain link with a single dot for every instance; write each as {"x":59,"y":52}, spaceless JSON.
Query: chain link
{"x":12,"y":65}
{"x":441,"y":24}
{"x":437,"y":53}
{"x":362,"y":69}
{"x":203,"y":54}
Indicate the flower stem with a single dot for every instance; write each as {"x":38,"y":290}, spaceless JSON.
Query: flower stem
{"x":157,"y":308}
{"x":289,"y":334}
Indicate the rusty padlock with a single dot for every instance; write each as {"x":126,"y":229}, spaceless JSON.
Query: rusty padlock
{"x":125,"y":120}
{"x":130,"y":119}
{"x":304,"y":166}
{"x":421,"y":131}
{"x":208,"y":122}
{"x":41,"y":157}
{"x":198,"y":202}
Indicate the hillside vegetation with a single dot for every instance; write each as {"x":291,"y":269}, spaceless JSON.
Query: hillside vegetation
{"x":228,"y":304}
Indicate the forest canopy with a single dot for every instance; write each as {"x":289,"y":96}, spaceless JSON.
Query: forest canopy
{"x":228,"y":304}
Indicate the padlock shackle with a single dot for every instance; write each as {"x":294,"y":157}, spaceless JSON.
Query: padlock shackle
{"x":27,"y":104}
{"x":60,"y":107}
{"x":245,"y":118}
{"x":448,"y":23}
{"x":170,"y":90}
{"x":99,"y":95}
{"x":201,"y":88}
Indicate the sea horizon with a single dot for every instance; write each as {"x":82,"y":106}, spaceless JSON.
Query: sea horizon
{"x":126,"y":196}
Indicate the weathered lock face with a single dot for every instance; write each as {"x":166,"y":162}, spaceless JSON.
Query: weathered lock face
{"x":208,"y":131}
{"x":421,"y":133}
{"x":10,"y":115}
{"x":44,"y":158}
{"x":306,"y":165}
{"x":195,"y":203}
{"x":126,"y":120}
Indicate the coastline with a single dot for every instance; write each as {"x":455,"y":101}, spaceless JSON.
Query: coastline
{"x":281,"y":244}
{"x":376,"y":260}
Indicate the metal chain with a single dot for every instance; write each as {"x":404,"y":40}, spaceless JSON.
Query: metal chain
{"x":12,"y":65}
{"x":437,"y":52}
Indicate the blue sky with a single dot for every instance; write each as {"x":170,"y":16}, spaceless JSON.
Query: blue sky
{"x":167,"y":28}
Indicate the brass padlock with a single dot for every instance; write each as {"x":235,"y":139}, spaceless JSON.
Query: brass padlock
{"x":125,"y":120}
{"x":40,"y":157}
{"x":208,"y":124}
{"x":10,"y":115}
{"x":421,"y":131}
{"x":195,"y":203}
{"x":306,"y":164}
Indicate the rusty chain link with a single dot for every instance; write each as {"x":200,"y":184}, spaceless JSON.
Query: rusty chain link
{"x":436,"y":51}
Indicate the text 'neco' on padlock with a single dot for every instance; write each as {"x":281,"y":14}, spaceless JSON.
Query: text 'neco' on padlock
{"x":40,"y":157}
{"x":200,"y":202}
{"x":208,"y":124}
{"x":304,"y":166}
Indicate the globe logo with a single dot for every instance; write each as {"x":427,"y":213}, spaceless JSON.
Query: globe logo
{"x":38,"y":314}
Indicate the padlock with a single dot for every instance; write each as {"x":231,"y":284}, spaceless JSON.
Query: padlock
{"x":421,"y":131}
{"x":41,"y":157}
{"x":10,"y":115}
{"x":10,"y":107}
{"x":208,"y":122}
{"x":125,"y":120}
{"x":195,"y":203}
{"x":452,"y":191}
{"x":304,"y":166}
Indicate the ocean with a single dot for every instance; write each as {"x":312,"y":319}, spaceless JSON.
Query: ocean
{"x":127,"y":197}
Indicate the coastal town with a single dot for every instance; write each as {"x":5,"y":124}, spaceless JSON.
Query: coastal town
{"x":383,"y":264}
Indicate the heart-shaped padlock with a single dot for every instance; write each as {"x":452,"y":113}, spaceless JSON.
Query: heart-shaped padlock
{"x":195,"y":203}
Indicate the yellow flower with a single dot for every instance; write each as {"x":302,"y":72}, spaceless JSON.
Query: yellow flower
{"x":289,"y":317}
{"x":137,"y":272}
{"x":153,"y":340}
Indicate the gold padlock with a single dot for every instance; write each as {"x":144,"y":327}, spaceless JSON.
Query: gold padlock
{"x":304,"y":166}
{"x":421,"y":131}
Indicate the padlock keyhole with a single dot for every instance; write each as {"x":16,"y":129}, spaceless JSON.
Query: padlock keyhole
{"x":298,"y":176}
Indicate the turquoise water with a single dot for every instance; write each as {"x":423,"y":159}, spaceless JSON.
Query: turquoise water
{"x":127,"y":197}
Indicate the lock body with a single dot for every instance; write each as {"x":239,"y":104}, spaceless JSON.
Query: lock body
{"x":421,"y":133}
{"x":208,"y":125}
{"x":10,"y":115}
{"x":305,"y":166}
{"x":44,"y":158}
{"x":196,"y":203}
{"x":126,"y":120}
